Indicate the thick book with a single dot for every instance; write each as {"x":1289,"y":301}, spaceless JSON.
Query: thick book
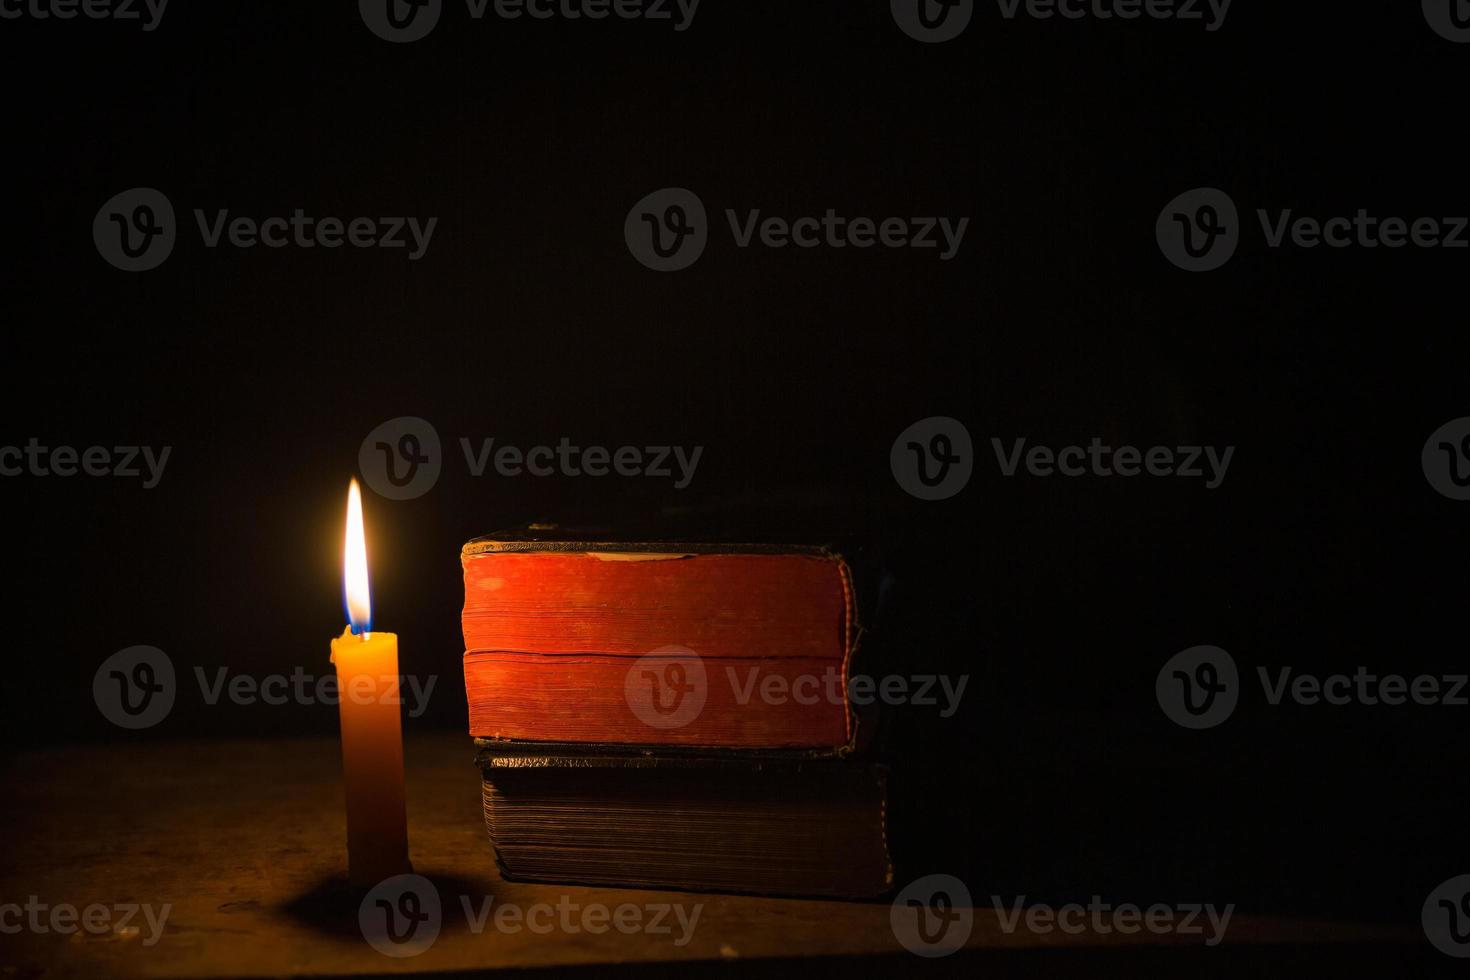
{"x":736,"y":823}
{"x":594,"y":640}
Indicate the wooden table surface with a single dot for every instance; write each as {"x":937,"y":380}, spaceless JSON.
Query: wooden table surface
{"x":244,"y":840}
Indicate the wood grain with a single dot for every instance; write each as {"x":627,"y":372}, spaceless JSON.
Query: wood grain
{"x":245,"y":841}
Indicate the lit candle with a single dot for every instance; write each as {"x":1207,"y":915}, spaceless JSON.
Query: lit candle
{"x":372,"y":730}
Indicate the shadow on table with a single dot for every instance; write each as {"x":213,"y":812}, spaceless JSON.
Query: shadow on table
{"x":331,"y":907}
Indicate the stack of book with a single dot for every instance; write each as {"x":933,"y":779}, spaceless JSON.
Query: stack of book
{"x":670,"y":715}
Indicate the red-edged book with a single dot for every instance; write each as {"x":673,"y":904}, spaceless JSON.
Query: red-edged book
{"x":700,"y":645}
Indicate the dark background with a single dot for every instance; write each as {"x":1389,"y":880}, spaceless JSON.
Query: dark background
{"x":528,"y":321}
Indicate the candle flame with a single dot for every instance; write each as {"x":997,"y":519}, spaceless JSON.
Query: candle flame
{"x":354,"y":567}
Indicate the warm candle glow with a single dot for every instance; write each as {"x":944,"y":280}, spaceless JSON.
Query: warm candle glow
{"x":354,"y":566}
{"x":370,"y":709}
